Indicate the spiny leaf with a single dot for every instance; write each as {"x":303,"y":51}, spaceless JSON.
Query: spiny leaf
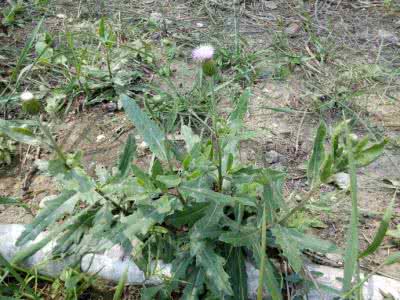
{"x":217,"y":197}
{"x":289,"y":248}
{"x":189,"y":215}
{"x":54,"y":210}
{"x":213,"y":265}
{"x":380,"y":234}
{"x":195,"y":285}
{"x":244,"y":237}
{"x":237,"y":271}
{"x":179,"y":268}
{"x":317,"y":156}
{"x":270,"y":281}
{"x":309,"y":242}
{"x":33,"y":248}
{"x":150,"y":132}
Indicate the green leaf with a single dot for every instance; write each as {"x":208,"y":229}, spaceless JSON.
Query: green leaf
{"x":309,"y":242}
{"x":125,"y":160}
{"x":352,"y":244}
{"x":34,"y":247}
{"x":189,"y":216}
{"x":195,"y":285}
{"x":121,"y":284}
{"x":150,"y":132}
{"x":242,"y":237}
{"x":213,"y":265}
{"x":54,"y":210}
{"x":326,"y":171}
{"x":19,"y":133}
{"x":370,"y":154}
{"x":179,"y":267}
{"x":208,"y":226}
{"x":380,"y":234}
{"x":317,"y":156}
{"x":236,"y":269}
{"x":146,"y":216}
{"x":270,"y":280}
{"x":190,"y":138}
{"x":170,"y":181}
{"x":200,"y":193}
{"x":289,"y":248}
{"x":272,"y":193}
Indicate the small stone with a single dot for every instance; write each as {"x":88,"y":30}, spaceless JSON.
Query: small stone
{"x":100,"y":137}
{"x":200,"y":25}
{"x":111,"y":106}
{"x":342,"y":180}
{"x":292,"y":29}
{"x":272,"y":157}
{"x":143,"y":146}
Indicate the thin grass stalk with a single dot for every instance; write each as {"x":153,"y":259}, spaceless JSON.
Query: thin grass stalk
{"x":263,"y":254}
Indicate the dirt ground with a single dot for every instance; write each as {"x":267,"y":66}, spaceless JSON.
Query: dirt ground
{"x":357,"y":33}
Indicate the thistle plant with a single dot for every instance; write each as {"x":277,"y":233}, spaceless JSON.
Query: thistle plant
{"x":196,"y":207}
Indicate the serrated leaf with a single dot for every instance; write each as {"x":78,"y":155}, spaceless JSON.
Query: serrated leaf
{"x":146,"y":216}
{"x":380,"y":234}
{"x":309,"y":242}
{"x":34,"y":247}
{"x":201,"y":193}
{"x":213,"y":265}
{"x":243,"y":237}
{"x":369,"y":154}
{"x":150,"y":132}
{"x":194,"y":286}
{"x":317,"y":156}
{"x":270,"y":279}
{"x":179,"y":267}
{"x":236,"y":269}
{"x":208,"y":225}
{"x":54,"y":210}
{"x":188,"y":216}
{"x":289,"y":248}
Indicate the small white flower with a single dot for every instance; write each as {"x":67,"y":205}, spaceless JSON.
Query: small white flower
{"x":26,"y":96}
{"x":203,"y":53}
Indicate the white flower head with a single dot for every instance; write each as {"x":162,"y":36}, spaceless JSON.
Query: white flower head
{"x":26,"y":96}
{"x":203,"y":53}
